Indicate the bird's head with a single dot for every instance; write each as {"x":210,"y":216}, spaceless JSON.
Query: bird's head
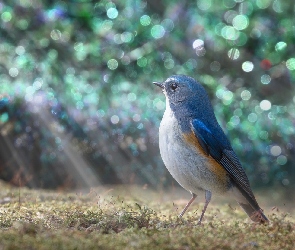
{"x":187,"y":98}
{"x":179,"y":89}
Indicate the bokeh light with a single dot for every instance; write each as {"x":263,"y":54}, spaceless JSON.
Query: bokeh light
{"x":282,"y":160}
{"x":157,"y":31}
{"x":6,"y":16}
{"x":113,"y":64}
{"x":290,"y":63}
{"x":145,"y":20}
{"x":204,"y":4}
{"x":198,"y":44}
{"x":115,"y":119}
{"x":265,"y":105}
{"x":263,"y":4}
{"x":265,"y":79}
{"x":247,"y":66}
{"x":233,"y":54}
{"x":240,"y":22}
{"x":246,"y":95}
{"x":275,"y":150}
{"x":112,"y":13}
{"x":252,"y":117}
{"x":230,"y":33}
{"x":280,"y":46}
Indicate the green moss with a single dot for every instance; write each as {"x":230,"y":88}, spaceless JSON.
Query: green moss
{"x":31,"y":219}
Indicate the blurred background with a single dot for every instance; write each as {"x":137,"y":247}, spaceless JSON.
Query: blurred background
{"x":77,"y":107}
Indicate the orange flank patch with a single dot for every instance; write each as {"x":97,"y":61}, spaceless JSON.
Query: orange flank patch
{"x":218,"y":170}
{"x":213,"y":166}
{"x":193,"y":140}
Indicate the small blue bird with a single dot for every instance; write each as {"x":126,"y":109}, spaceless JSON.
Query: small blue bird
{"x":196,"y":151}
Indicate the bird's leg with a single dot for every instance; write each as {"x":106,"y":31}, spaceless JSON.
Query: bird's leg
{"x":208,"y":198}
{"x":187,"y":205}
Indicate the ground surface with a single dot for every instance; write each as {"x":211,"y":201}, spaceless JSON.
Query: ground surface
{"x":133,"y":218}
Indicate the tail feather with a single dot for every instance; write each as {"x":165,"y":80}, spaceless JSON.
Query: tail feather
{"x":250,"y":206}
{"x":255,"y":215}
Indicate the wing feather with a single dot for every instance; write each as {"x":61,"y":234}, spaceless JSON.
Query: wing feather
{"x":217,"y":145}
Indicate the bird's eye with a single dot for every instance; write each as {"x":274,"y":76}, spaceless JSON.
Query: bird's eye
{"x":173,"y":86}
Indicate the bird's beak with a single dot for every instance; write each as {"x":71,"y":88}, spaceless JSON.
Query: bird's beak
{"x":159,"y":84}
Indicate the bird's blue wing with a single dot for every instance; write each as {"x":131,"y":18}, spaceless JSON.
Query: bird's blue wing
{"x":215,"y":144}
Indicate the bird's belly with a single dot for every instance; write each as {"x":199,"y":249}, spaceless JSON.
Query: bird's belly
{"x":188,"y":165}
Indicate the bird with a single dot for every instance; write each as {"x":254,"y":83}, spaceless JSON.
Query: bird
{"x":196,"y":151}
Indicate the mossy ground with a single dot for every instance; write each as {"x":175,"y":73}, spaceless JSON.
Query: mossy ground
{"x":129,"y":217}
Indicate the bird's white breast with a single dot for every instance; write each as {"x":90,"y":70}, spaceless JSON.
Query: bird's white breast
{"x":186,"y":164}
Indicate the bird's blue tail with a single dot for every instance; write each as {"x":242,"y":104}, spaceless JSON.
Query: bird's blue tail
{"x":255,"y":215}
